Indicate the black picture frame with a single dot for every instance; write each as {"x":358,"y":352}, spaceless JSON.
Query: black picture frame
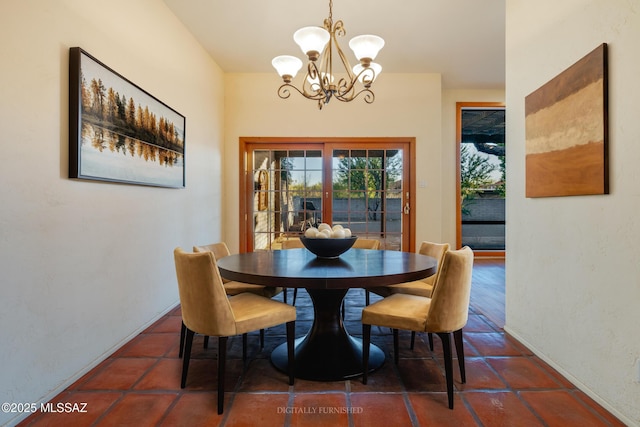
{"x":118,"y":132}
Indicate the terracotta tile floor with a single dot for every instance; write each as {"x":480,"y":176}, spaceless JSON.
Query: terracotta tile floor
{"x":506,"y":385}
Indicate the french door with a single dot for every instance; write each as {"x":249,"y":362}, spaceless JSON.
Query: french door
{"x":364,"y":184}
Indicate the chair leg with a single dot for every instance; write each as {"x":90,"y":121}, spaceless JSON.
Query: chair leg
{"x":448,"y":364}
{"x":222,"y":358}
{"x":413,"y":339}
{"x":284,"y":295}
{"x":261,"y":339}
{"x":183,"y":331}
{"x":244,"y":349}
{"x":430,"y":337}
{"x":295,"y":295}
{"x":366,"y":340}
{"x":291,"y":358}
{"x":457,"y":337}
{"x":206,"y":342}
{"x":187,"y":356}
{"x":367,"y":296}
{"x":396,"y":351}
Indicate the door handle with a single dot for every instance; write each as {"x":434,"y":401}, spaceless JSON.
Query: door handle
{"x":407,"y":208}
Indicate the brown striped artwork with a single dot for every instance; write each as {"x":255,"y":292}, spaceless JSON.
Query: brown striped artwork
{"x":566,"y":131}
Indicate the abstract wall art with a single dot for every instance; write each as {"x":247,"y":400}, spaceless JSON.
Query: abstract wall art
{"x":566,"y":131}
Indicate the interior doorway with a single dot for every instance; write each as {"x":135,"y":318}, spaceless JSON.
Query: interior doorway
{"x":481,"y":165}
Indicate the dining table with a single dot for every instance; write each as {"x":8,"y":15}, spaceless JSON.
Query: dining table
{"x":327,"y":352}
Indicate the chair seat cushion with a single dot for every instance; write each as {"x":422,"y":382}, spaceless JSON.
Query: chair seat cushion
{"x":418,"y":287}
{"x":253,"y":312}
{"x":235,"y":288}
{"x":399,"y":311}
{"x":383,"y":291}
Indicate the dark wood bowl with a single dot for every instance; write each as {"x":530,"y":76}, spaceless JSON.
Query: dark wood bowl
{"x":328,"y":248}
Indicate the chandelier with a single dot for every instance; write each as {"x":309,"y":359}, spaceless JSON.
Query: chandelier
{"x":318,"y":43}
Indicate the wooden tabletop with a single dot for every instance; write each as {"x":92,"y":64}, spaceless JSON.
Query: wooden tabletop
{"x":356,"y":268}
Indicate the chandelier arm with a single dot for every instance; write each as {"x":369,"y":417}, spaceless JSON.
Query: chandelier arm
{"x":314,"y":77}
{"x":345,"y":89}
{"x":368,"y":76}
{"x":368,"y":96}
{"x":284,"y":92}
{"x":339,"y":31}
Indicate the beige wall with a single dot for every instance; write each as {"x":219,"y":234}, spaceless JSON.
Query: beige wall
{"x":573,"y":276}
{"x":85,"y":265}
{"x":407,"y":105}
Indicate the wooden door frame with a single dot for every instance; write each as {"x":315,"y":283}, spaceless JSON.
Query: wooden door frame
{"x":246,"y":178}
{"x":459,"y":107}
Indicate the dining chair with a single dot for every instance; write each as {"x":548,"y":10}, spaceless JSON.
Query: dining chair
{"x":444,"y":314}
{"x":362,"y":243}
{"x":292,"y":243}
{"x":221,"y":250}
{"x":423,"y":287}
{"x":208,"y":310}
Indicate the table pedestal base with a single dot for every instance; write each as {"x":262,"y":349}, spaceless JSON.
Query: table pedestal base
{"x":327,"y":352}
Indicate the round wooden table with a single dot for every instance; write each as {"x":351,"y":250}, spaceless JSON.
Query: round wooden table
{"x":327,"y":352}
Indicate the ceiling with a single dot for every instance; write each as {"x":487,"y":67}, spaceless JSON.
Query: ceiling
{"x":461,"y":39}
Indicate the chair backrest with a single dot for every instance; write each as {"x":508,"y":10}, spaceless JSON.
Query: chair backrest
{"x":219,"y":250}
{"x":437,"y":251}
{"x":361,"y":243}
{"x":203,"y":301}
{"x":449,"y":307}
{"x":293,"y":243}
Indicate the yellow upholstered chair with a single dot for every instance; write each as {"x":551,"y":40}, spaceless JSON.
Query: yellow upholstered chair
{"x":444,"y":314}
{"x":292,"y":243}
{"x":423,"y":287}
{"x":362,"y":243}
{"x":221,"y":250}
{"x":206,"y":309}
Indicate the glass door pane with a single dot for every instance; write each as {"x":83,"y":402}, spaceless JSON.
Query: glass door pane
{"x":367,"y":194}
{"x":287,"y":195}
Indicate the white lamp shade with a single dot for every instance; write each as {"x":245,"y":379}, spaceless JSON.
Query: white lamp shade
{"x":287,"y":65}
{"x":311,"y":39}
{"x":366,"y":46}
{"x":377,"y":69}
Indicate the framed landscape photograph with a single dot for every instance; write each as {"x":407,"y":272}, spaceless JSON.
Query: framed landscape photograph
{"x":118,"y":132}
